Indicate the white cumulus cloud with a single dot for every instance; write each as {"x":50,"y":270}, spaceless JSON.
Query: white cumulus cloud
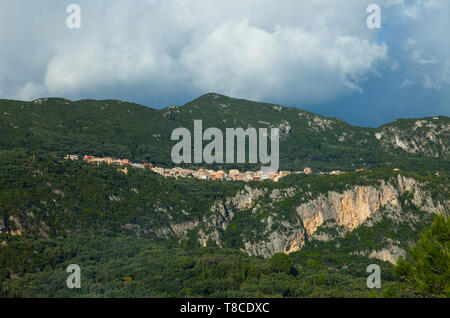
{"x":288,"y":51}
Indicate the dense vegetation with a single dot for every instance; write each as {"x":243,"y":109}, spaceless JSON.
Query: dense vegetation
{"x":125,"y":266}
{"x":137,"y":235}
{"x":427,"y":265}
{"x":54,"y":197}
{"x":76,"y":213}
{"x":115,"y":128}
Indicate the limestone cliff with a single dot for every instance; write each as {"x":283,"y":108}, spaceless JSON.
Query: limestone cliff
{"x":429,"y":137}
{"x":345,"y":211}
{"x":354,"y":206}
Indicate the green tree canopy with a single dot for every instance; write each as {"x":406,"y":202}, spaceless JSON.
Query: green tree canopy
{"x":426,"y":266}
{"x":281,"y":263}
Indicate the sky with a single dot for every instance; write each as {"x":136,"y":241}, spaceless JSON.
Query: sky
{"x":317,"y":55}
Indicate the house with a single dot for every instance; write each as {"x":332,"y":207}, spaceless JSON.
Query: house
{"x":284,"y":173}
{"x":121,"y":162}
{"x":106,"y":160}
{"x":220,"y":175}
{"x":307,"y":170}
{"x":88,"y":158}
{"x":71,"y":157}
{"x":237,"y":177}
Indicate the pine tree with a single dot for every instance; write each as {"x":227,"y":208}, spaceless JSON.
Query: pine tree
{"x":426,"y":266}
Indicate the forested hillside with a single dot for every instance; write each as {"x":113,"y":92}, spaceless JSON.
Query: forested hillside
{"x":116,"y":128}
{"x":140,"y":234}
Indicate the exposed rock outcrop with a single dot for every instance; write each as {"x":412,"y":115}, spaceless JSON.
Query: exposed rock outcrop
{"x":183,"y":228}
{"x":290,"y":239}
{"x":223,"y":212}
{"x":425,"y":137}
{"x":390,"y":255}
{"x":353,"y":207}
{"x":344,"y":211}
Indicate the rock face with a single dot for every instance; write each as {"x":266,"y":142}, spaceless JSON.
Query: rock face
{"x":427,"y":136}
{"x":182,"y":228}
{"x":223,"y":213}
{"x":346,"y":210}
{"x":290,"y":239}
{"x":390,"y":255}
{"x":353,"y":207}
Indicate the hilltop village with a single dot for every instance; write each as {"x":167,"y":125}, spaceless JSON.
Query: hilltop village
{"x":202,"y":174}
{"x":178,"y":172}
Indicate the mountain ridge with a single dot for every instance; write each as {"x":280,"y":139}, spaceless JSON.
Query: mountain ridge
{"x":206,"y":95}
{"x":137,"y":132}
